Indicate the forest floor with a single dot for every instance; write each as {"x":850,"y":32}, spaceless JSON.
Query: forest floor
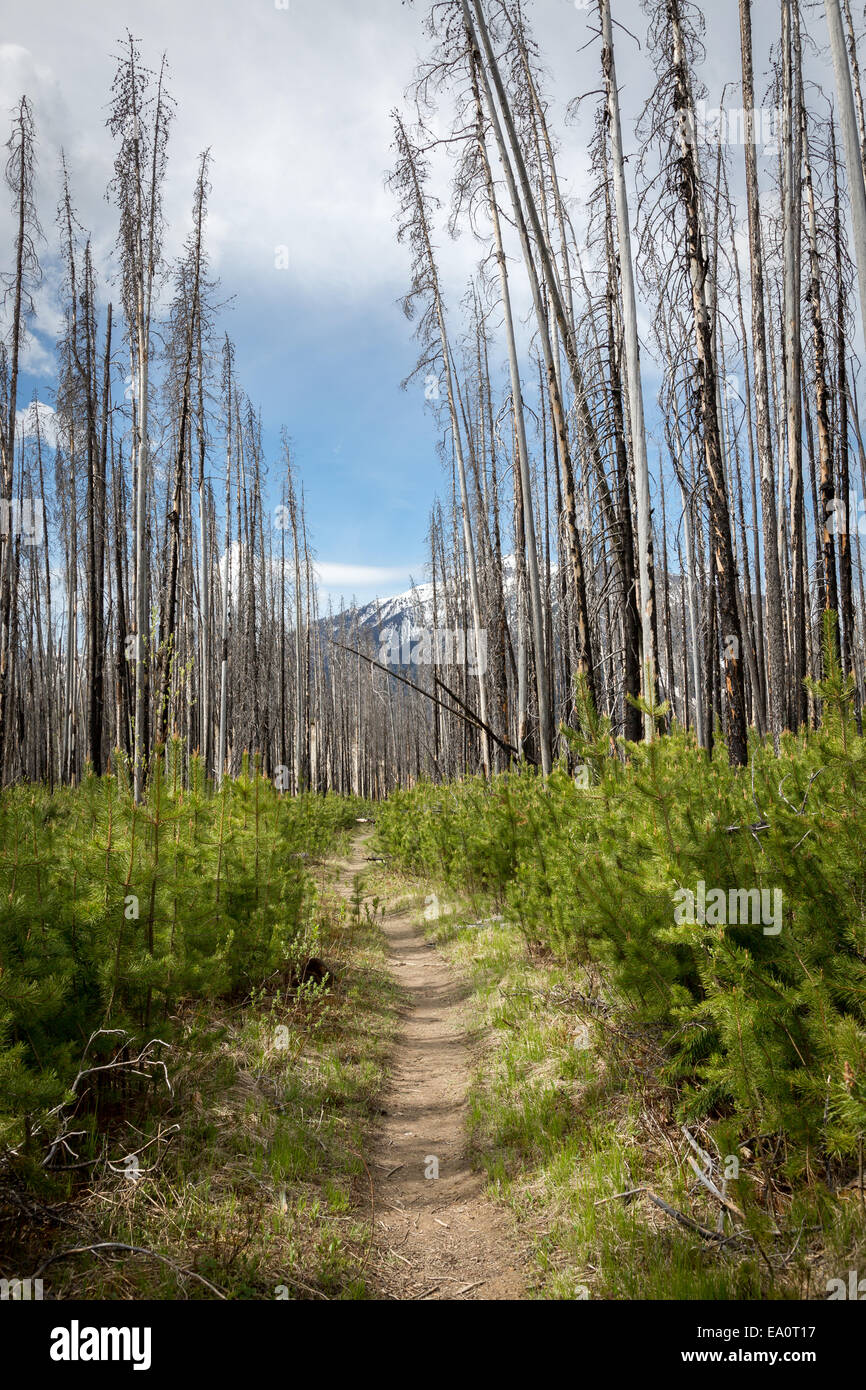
{"x":434,"y":1237}
{"x":441,"y":1117}
{"x":296,"y":1148}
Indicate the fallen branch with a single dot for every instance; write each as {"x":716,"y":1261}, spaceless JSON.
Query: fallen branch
{"x":632,"y":1192}
{"x":704,"y":1177}
{"x":467,"y":715}
{"x":132,"y":1250}
{"x":671,"y":1211}
{"x":685,"y":1220}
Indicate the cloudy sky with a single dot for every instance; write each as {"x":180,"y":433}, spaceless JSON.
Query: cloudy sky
{"x":294,"y":103}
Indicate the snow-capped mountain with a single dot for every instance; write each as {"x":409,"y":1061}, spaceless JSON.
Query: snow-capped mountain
{"x":413,"y":608}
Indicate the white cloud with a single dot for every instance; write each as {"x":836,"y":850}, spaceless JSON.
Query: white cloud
{"x":37,"y":413}
{"x":348,"y":578}
{"x":339,"y":584}
{"x":294,"y":105}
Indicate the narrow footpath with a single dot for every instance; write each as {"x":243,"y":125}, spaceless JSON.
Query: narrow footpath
{"x":436,"y":1234}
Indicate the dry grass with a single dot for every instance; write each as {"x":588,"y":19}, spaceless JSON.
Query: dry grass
{"x":253,"y":1184}
{"x":562,"y":1128}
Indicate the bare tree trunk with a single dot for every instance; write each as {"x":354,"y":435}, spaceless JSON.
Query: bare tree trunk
{"x":631,"y":349}
{"x":723,"y":556}
{"x":536,"y":609}
{"x":224,"y":660}
{"x":853,"y":161}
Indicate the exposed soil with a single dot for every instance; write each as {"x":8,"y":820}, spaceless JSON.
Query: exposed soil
{"x":434,"y":1237}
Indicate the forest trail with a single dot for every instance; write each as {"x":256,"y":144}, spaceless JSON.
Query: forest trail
{"x":434,"y":1238}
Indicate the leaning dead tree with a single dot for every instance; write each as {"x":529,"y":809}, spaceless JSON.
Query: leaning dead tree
{"x":652,"y":558}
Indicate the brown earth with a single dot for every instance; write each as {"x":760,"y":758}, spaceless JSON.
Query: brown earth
{"x":434,"y":1237}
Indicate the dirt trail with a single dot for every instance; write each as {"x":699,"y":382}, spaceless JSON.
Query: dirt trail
{"x":433,"y":1237}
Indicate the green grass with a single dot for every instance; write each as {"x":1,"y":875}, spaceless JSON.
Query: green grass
{"x":569,"y":1108}
{"x":115,"y":915}
{"x":262,"y":1190}
{"x":741,"y":1026}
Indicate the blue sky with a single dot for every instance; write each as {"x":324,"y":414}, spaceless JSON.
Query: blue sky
{"x":294,"y":103}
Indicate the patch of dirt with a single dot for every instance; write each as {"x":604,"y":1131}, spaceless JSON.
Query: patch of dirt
{"x":434,"y":1237}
